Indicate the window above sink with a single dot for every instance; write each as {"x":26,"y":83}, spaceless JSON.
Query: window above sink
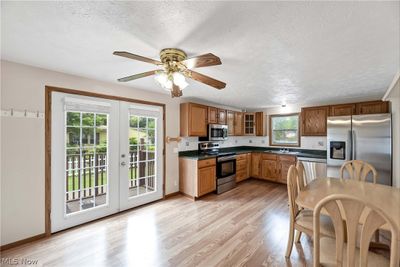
{"x":284,"y":130}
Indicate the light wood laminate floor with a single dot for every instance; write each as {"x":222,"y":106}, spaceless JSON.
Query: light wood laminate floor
{"x":247,"y":226}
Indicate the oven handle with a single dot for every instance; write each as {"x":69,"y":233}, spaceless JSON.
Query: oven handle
{"x":227,"y":158}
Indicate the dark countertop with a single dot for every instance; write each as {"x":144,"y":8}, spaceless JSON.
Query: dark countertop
{"x":306,"y":153}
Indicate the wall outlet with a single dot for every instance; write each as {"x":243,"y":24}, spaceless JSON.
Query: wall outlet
{"x":262,"y":141}
{"x":250,"y":141}
{"x":321,"y":143}
{"x":175,"y":183}
{"x":235,"y":141}
{"x":187,"y":143}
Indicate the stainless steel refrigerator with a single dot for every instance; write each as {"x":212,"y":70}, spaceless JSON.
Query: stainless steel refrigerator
{"x":361,"y":137}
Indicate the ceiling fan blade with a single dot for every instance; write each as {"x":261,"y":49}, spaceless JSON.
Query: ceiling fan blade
{"x":202,"y":61}
{"x":137,"y":57}
{"x":206,"y":79}
{"x":176,"y":91}
{"x":137,"y":76}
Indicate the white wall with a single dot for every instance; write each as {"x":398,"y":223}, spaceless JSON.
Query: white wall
{"x":394,"y":98}
{"x":22,"y":142}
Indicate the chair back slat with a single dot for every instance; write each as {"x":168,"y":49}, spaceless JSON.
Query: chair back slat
{"x":371,"y":224}
{"x":358,"y":170}
{"x":349,"y":208}
{"x":302,"y":176}
{"x":292,"y":188}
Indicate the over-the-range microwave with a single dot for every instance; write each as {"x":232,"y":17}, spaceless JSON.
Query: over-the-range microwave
{"x":216,"y":132}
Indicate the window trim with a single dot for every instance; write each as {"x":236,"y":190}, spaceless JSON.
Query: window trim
{"x":298,"y":128}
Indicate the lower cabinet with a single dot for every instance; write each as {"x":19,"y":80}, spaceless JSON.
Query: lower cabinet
{"x":255,"y":165}
{"x":243,"y":162}
{"x":197,"y":177}
{"x":206,"y":180}
{"x":271,"y":167}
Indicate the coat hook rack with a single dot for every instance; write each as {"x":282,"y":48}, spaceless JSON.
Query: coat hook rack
{"x":169,"y":139}
{"x":22,"y":114}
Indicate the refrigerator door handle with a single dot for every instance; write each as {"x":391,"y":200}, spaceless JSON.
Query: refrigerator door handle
{"x":353,"y":145}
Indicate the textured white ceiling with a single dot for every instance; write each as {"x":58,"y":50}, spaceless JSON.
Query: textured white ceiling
{"x":271,"y":52}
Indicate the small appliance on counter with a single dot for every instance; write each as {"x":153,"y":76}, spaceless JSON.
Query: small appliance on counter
{"x":226,"y":166}
{"x":216,"y":132}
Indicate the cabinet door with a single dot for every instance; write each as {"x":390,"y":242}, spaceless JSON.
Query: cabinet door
{"x":230,"y":119}
{"x":206,"y":180}
{"x":269,"y":169}
{"x":255,"y":164}
{"x":372,"y":107}
{"x":212,"y":115}
{"x":260,"y":124}
{"x":249,"y":124}
{"x":248,"y":167}
{"x":197,"y":120}
{"x":221,"y":116}
{"x":238,"y":123}
{"x":343,"y":110}
{"x":283,"y":170}
{"x":314,"y":121}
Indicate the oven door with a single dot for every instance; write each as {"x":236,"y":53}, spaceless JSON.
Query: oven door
{"x":217,"y":132}
{"x":226,"y":168}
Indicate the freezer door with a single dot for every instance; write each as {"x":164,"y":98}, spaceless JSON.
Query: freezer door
{"x":372,"y":142}
{"x":338,"y":143}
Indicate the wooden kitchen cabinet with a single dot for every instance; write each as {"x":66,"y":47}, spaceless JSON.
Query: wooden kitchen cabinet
{"x":230,"y":121}
{"x":372,"y":107}
{"x":206,"y":180}
{"x":342,"y":110}
{"x":249,"y":123}
{"x":269,"y":166}
{"x":193,"y":119}
{"x":238,"y":127}
{"x":197,"y":177}
{"x":314,"y":121}
{"x":221,"y":116}
{"x":255,"y":165}
{"x":243,"y":166}
{"x":283,"y":163}
{"x":260,"y":124}
{"x":212,"y":115}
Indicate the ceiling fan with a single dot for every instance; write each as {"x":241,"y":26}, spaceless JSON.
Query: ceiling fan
{"x":174,"y":67}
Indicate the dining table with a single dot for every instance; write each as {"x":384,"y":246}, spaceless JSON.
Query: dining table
{"x":386,"y":198}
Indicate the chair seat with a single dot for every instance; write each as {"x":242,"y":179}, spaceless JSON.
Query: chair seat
{"x":305,"y":220}
{"x":328,"y":255}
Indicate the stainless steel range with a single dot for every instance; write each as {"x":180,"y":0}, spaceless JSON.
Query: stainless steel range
{"x":226,"y":166}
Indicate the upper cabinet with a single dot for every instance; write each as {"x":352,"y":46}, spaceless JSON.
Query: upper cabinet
{"x":314,"y":121}
{"x":342,"y":110}
{"x":238,"y":127}
{"x":221,"y":116}
{"x":230,"y":121}
{"x":260,"y":124}
{"x":212,"y":115}
{"x":249,"y":123}
{"x":193,"y":119}
{"x":372,"y":107}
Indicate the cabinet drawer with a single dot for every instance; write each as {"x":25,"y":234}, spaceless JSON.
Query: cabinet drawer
{"x":205,"y":163}
{"x":268,"y":156}
{"x":241,"y":175}
{"x":241,"y":157}
{"x":287,"y":158}
{"x":241,"y":165}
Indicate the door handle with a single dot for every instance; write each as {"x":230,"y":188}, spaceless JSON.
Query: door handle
{"x":123,"y":163}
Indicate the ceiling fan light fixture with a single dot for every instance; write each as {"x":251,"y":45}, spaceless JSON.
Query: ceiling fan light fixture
{"x":179,"y":80}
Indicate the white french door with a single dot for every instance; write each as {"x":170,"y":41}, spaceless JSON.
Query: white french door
{"x":141,"y":148}
{"x":106,"y":156}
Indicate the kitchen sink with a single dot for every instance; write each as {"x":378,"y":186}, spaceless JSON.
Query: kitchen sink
{"x":282,"y":152}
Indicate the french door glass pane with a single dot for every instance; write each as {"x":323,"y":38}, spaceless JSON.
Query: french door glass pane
{"x":86,"y":178}
{"x":142,"y":147}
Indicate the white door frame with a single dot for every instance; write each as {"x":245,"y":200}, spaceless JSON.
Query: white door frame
{"x":49,"y":143}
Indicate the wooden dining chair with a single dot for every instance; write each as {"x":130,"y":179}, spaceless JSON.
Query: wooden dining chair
{"x":302,"y":175}
{"x":358,"y":170}
{"x":302,"y":219}
{"x":335,"y":252}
